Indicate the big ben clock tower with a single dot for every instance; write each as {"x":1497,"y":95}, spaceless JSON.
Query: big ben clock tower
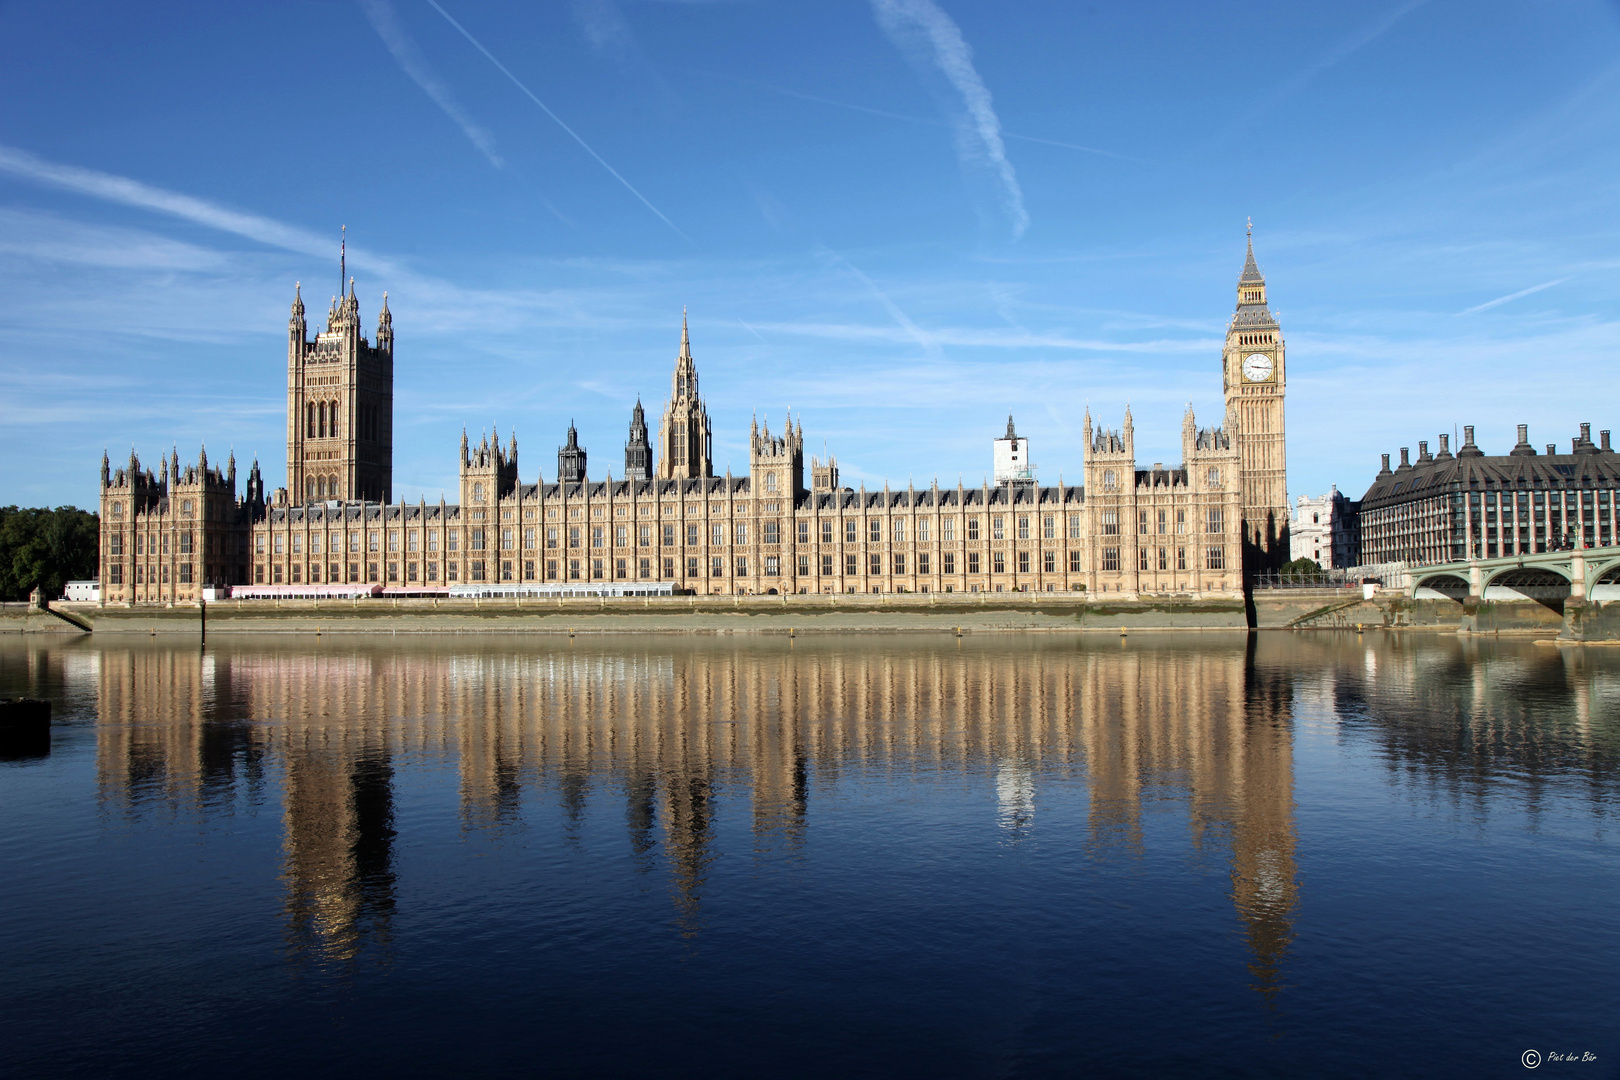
{"x":1254,"y":377}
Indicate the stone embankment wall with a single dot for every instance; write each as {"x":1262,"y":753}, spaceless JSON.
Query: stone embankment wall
{"x":1297,"y":609}
{"x":28,"y":619}
{"x":698,"y":614}
{"x":1333,"y":609}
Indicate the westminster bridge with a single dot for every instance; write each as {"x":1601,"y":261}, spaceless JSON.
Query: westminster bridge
{"x":1580,"y":574}
{"x":1580,"y":584}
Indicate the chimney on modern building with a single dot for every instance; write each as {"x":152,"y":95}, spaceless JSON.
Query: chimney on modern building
{"x":1522,"y":448}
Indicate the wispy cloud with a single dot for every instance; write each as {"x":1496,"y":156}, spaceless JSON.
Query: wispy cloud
{"x":1512,"y":296}
{"x":437,"y":302}
{"x":530,"y":94}
{"x":928,"y":37}
{"x":605,"y":28}
{"x":410,"y":59}
{"x":121,"y":189}
{"x":49,"y":238}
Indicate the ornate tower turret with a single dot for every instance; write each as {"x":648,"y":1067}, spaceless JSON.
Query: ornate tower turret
{"x":488,"y":473}
{"x":776,"y":465}
{"x":385,"y":327}
{"x":571,"y":459}
{"x":683,"y":437}
{"x":254,"y":495}
{"x":637,"y":452}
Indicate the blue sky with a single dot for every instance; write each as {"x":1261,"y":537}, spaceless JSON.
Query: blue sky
{"x":902,"y":219}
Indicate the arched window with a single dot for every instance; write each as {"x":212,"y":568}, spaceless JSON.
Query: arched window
{"x":320,"y":487}
{"x":309,"y":408}
{"x":309,"y":489}
{"x":478,"y":493}
{"x":770,"y":481}
{"x":1214,"y":477}
{"x":322,"y":414}
{"x":334,"y":420}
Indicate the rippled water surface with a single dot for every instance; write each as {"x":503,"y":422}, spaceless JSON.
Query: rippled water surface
{"x":1194,"y":855}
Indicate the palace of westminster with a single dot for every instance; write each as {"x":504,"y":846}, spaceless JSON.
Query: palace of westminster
{"x":1196,"y":529}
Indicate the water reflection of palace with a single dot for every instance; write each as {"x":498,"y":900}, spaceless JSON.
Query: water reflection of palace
{"x":675,"y":729}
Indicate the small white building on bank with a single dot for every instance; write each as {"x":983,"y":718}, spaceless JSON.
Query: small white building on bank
{"x":1324,"y":530}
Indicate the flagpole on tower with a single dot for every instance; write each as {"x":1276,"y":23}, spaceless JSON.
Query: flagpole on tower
{"x":343,"y":261}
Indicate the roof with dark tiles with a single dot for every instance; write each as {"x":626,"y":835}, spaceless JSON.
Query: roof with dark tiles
{"x":1587,"y":465}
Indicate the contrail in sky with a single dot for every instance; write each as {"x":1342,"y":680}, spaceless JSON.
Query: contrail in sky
{"x":926,"y":34}
{"x":1513,"y":296}
{"x":1361,"y":38}
{"x":912,"y":330}
{"x":410,"y":58}
{"x":572,"y":134}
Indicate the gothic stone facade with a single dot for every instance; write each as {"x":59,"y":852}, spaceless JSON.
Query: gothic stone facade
{"x":1126,"y":530}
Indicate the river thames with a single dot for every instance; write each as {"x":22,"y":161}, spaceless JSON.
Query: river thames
{"x":1201,"y":854}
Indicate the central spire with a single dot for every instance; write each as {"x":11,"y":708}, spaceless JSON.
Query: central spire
{"x":684,"y":381}
{"x":683,"y":437}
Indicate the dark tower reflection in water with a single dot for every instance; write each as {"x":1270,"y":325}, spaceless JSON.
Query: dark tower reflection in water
{"x":338,"y":849}
{"x":641,"y":814}
{"x":688,"y":823}
{"x":1264,"y":881}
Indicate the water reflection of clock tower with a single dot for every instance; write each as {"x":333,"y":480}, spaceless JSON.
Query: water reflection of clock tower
{"x":1255,"y":378}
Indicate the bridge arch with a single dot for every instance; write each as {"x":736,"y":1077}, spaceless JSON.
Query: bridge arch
{"x":1603,"y":581}
{"x":1544,"y":584}
{"x":1441,"y":587}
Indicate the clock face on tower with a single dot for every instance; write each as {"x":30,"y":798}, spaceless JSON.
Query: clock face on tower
{"x":1257,"y":367}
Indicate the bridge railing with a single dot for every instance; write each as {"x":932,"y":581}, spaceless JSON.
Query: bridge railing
{"x":1324,"y":579}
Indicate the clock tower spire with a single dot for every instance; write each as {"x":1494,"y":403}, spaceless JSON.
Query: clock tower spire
{"x":1254,"y":376}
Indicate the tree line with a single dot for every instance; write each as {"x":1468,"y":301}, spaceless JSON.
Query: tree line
{"x":45,"y":547}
